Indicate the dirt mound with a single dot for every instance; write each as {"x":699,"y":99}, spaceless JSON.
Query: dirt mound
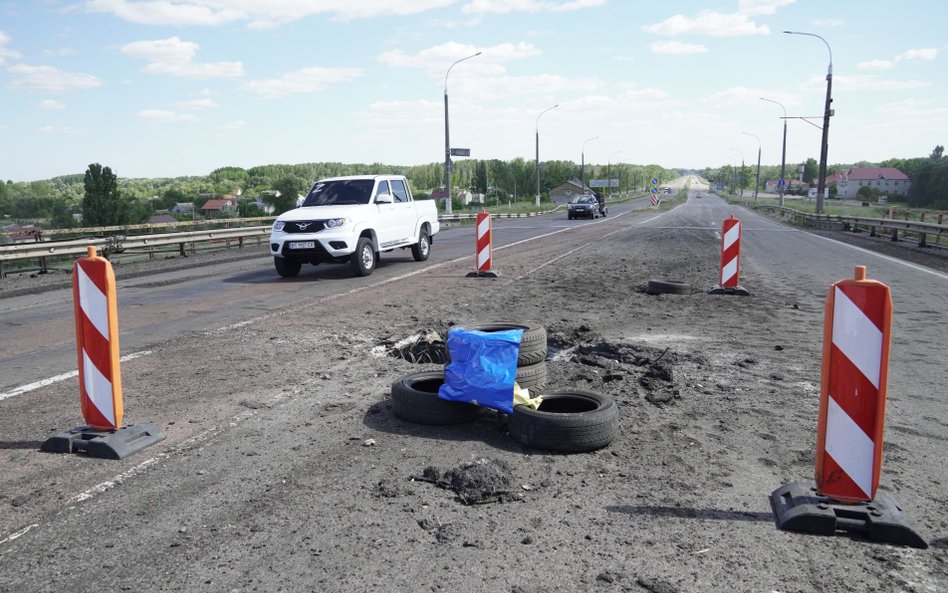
{"x":477,"y":482}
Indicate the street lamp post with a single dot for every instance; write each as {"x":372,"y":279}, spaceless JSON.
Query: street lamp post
{"x":448,"y":207}
{"x":783,"y":153}
{"x":827,"y":113}
{"x":538,"y":150}
{"x":757,"y":181}
{"x":582,"y":166}
{"x":741,"y":177}
{"x":609,"y":171}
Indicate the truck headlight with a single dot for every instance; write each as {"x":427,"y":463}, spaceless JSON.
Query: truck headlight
{"x":335,"y":223}
{"x":278,"y":225}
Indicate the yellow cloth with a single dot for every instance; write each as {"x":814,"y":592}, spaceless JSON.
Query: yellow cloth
{"x":521,"y":397}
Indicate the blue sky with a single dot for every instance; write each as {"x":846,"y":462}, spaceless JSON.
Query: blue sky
{"x":156,"y":88}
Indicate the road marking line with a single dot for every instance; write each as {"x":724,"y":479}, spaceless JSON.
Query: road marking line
{"x":18,"y":534}
{"x":50,"y":380}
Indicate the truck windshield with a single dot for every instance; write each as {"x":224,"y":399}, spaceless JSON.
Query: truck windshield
{"x":327,"y":193}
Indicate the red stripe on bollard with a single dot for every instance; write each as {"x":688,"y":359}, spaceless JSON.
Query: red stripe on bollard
{"x":483,"y":245}
{"x":96,"y":312}
{"x":731,"y":252}
{"x":857,"y":327}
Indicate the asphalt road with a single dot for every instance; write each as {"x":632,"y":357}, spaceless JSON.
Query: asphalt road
{"x":268,"y":394}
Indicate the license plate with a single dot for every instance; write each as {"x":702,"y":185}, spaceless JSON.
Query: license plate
{"x":302,"y":244}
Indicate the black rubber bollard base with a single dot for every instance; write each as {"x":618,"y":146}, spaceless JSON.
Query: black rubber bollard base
{"x":797,"y":507}
{"x":734,"y":290}
{"x":105,"y":444}
{"x":491,"y":274}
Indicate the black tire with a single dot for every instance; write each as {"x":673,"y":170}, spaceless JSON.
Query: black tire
{"x":422,"y":248}
{"x":286,"y":268}
{"x":668,"y":287}
{"x":415,"y":399}
{"x":364,"y":257}
{"x":569,"y":217}
{"x":532,"y":344}
{"x":569,"y":421}
{"x":532,"y":377}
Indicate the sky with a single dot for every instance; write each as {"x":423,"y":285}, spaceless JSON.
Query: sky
{"x":166,"y":88}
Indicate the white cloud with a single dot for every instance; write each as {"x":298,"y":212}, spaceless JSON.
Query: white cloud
{"x":5,"y":53}
{"x":161,"y":115}
{"x":197,"y":104}
{"x":509,"y":6}
{"x":237,"y":124}
{"x":875,"y":65}
{"x":829,"y":22}
{"x":58,"y":130}
{"x":49,"y":79}
{"x":307,"y":80}
{"x":706,"y":22}
{"x":176,"y":57}
{"x":762,"y":6}
{"x":59,"y":53}
{"x":918,"y":54}
{"x":51,"y":104}
{"x":436,"y":60}
{"x":677,"y":48}
{"x":167,"y":12}
{"x":258,"y":14}
{"x":745,"y":96}
{"x":865,"y":82}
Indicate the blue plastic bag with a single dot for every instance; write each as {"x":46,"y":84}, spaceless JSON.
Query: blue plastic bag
{"x":483,"y":367}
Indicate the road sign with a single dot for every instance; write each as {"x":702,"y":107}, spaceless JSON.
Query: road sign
{"x":654,"y":180}
{"x":782,"y":183}
{"x":460,"y":152}
{"x":598,"y":183}
{"x":654,"y":190}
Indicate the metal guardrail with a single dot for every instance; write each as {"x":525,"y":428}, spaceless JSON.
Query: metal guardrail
{"x":872,"y":225}
{"x":120,"y":242}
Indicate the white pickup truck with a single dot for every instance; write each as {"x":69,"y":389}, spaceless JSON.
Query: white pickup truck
{"x":352,"y":220}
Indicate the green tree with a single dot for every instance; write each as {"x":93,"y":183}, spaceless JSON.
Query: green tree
{"x":102,"y":204}
{"x":289,"y":186}
{"x":811,"y":170}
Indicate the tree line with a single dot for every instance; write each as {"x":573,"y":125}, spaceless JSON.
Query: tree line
{"x":928,"y":176}
{"x":104,"y":199}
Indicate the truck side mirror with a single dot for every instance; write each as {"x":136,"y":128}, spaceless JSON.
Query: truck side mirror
{"x":384,"y":199}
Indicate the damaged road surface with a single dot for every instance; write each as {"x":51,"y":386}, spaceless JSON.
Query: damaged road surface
{"x":285,"y":469}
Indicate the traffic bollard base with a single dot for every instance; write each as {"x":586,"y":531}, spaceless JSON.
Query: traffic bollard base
{"x":489,"y":274}
{"x":797,"y":507}
{"x":733,"y":290}
{"x":105,"y":444}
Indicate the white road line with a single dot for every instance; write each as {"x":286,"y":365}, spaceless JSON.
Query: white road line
{"x":18,"y":534}
{"x":888,"y":258}
{"x":49,"y":381}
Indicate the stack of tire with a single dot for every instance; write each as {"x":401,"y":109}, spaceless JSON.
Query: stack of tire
{"x":569,"y":421}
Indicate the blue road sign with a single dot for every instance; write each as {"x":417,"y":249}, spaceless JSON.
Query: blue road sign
{"x":654,"y":180}
{"x":654,"y":190}
{"x":782,"y":183}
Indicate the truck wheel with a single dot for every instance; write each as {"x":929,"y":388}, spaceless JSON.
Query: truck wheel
{"x":415,"y":399}
{"x":363,"y":258}
{"x":570,"y":421}
{"x":286,"y":268}
{"x":422,"y":248}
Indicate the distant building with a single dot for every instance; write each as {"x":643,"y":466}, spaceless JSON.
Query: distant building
{"x":887,"y":180}
{"x":565,"y":192}
{"x":182,"y":208}
{"x":222,"y":207}
{"x":161,"y":218}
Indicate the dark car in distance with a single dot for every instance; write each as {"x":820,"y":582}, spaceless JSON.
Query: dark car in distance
{"x":583,"y":207}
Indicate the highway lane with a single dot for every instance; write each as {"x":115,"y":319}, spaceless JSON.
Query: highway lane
{"x":37,"y":335}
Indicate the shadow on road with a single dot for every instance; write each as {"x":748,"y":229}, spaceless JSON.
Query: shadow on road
{"x":21,"y":445}
{"x":686,"y":513}
{"x":490,"y":428}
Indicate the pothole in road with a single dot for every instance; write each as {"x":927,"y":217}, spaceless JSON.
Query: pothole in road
{"x":421,"y":348}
